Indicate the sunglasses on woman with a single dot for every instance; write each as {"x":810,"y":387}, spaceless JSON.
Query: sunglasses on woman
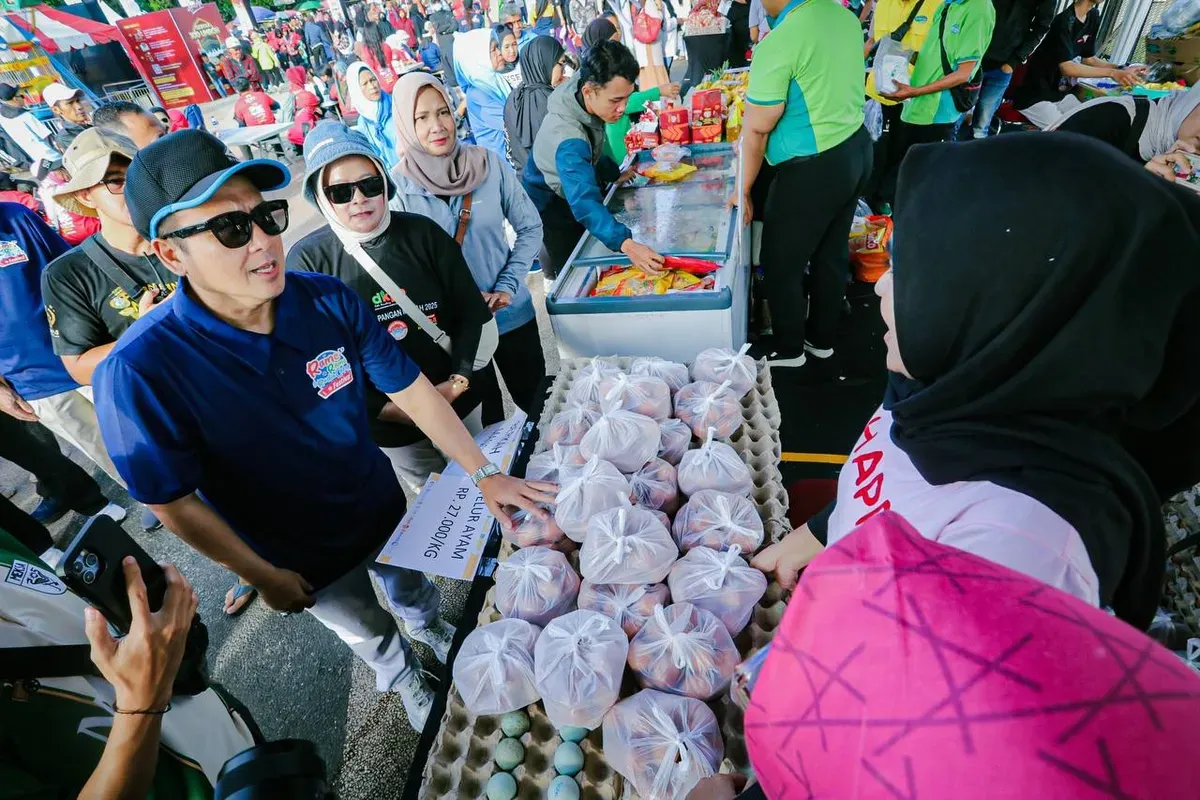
{"x":234,"y":229}
{"x":341,"y":193}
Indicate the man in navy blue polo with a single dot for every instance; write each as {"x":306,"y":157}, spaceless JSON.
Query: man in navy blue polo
{"x":236,"y":410}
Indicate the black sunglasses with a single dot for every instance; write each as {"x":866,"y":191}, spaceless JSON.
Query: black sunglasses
{"x":234,"y":229}
{"x":341,"y":193}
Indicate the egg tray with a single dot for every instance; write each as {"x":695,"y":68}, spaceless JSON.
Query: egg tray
{"x":461,"y":759}
{"x":1181,"y":516}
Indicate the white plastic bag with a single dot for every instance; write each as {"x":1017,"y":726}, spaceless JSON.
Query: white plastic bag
{"x":579,"y":661}
{"x":718,"y":520}
{"x":704,"y":405}
{"x":529,"y":531}
{"x":536,"y":584}
{"x":623,"y":438}
{"x":584,"y":492}
{"x":675,"y":375}
{"x":655,"y":486}
{"x":684,"y":650}
{"x":675,"y":437}
{"x":585,"y":387}
{"x":627,"y":544}
{"x":568,"y":427}
{"x":891,"y":64}
{"x":643,"y":395}
{"x":715,"y":465}
{"x":662,"y":744}
{"x":549,"y":464}
{"x":720,"y":364}
{"x":722,"y":583}
{"x":630,"y":605}
{"x":494,"y":668}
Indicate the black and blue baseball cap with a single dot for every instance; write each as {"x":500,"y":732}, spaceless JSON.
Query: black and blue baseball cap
{"x":184,"y":170}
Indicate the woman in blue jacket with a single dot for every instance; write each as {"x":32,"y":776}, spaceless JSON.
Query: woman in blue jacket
{"x":487,"y":77}
{"x":470,"y":191}
{"x":374,"y":107}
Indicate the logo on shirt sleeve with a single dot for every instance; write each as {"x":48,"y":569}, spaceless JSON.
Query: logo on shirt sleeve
{"x":12,"y":253}
{"x":33,"y":577}
{"x":330,"y":371}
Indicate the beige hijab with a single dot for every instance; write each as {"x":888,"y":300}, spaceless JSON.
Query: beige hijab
{"x":457,"y":173}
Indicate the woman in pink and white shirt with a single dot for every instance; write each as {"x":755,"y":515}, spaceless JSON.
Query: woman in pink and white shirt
{"x":1044,"y":369}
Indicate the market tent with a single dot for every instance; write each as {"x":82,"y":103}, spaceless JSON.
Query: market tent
{"x":261,"y":14}
{"x":309,"y":5}
{"x":57,"y":30}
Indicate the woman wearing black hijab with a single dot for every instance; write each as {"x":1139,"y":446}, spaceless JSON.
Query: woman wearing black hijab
{"x":600,"y":30}
{"x":1043,"y":390}
{"x":542,"y":69}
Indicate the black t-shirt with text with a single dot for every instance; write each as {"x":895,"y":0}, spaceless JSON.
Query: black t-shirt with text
{"x":428,"y":264}
{"x":85,"y":307}
{"x":1067,"y":40}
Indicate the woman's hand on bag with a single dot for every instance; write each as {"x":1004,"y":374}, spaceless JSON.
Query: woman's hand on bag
{"x":505,"y":494}
{"x":497,"y":300}
{"x":718,"y":787}
{"x":644,"y":258}
{"x":788,"y":556}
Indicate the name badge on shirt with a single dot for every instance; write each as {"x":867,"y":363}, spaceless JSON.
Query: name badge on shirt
{"x":330,"y":371}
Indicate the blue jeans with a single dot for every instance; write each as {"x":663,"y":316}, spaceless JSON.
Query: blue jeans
{"x":991,"y":94}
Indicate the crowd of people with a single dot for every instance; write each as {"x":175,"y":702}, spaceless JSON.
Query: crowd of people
{"x":1040,"y":402}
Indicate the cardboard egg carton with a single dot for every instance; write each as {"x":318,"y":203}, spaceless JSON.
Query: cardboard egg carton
{"x":461,"y":760}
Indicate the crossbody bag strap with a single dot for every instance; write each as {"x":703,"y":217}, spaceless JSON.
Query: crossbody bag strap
{"x":464,"y":219}
{"x":1141,"y":113}
{"x":109,"y":266}
{"x":942,"y":43}
{"x":401,"y":298}
{"x":902,"y":31}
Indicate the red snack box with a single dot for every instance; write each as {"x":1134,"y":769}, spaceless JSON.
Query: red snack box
{"x":675,"y":125}
{"x":708,"y":132}
{"x":708,"y":113}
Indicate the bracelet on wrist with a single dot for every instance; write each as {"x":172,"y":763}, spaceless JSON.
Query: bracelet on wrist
{"x":142,"y":711}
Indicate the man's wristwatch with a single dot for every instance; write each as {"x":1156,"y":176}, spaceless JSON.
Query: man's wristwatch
{"x":486,"y":471}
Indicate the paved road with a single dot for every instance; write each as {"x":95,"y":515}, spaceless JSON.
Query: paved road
{"x":295,"y":676}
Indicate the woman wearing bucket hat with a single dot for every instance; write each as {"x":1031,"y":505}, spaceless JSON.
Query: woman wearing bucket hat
{"x":413,"y":275}
{"x":374,"y":107}
{"x":471,"y":192}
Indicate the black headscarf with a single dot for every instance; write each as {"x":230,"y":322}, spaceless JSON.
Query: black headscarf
{"x":525,"y":108}
{"x":1054,"y":340}
{"x":599,"y":30}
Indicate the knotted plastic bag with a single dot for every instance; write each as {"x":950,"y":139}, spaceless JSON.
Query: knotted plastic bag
{"x":494,"y":668}
{"x":627,"y":544}
{"x":719,"y":520}
{"x":625,"y":439}
{"x":585,"y":388}
{"x":655,"y":486}
{"x":715,"y":465}
{"x":663,"y":744}
{"x":630,"y":605}
{"x":584,"y":492}
{"x":675,"y":375}
{"x":529,"y":531}
{"x":643,"y":395}
{"x":675,"y":437}
{"x":579,"y":661}
{"x":548,"y":464}
{"x":720,"y":364}
{"x":568,"y":427}
{"x":683,"y":649}
{"x":704,"y":405}
{"x":536,"y":584}
{"x":722,"y":583}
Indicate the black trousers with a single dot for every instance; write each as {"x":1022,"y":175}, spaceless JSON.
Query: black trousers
{"x":905,"y":137}
{"x":522,"y":365}
{"x":560,"y":233}
{"x":739,"y":26}
{"x":885,"y":153}
{"x":810,"y":207}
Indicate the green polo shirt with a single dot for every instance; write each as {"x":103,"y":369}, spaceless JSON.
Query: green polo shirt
{"x":812,"y":62}
{"x":969,"y":26}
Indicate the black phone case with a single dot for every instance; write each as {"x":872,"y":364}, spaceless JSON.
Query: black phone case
{"x":104,"y":537}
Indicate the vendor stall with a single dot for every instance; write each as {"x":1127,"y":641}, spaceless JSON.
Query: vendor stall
{"x":685,"y":218}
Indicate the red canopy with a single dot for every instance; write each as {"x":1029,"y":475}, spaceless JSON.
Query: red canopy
{"x":57,"y":30}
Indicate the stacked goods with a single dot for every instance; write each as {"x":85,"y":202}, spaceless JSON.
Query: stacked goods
{"x":494,"y":668}
{"x":705,"y":19}
{"x":720,"y":583}
{"x":683,"y":649}
{"x":624,"y":281}
{"x":629,"y":604}
{"x":715,"y":465}
{"x":536,"y":584}
{"x":696,"y":649}
{"x":531,"y":531}
{"x":675,"y":125}
{"x":550,"y":464}
{"x":706,"y":406}
{"x":641,"y":394}
{"x":708,"y":116}
{"x":737,"y":371}
{"x":623,"y":438}
{"x":568,"y":427}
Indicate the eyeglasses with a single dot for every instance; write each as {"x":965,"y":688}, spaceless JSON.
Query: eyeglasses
{"x":341,"y":193}
{"x":234,"y":229}
{"x":115,"y":185}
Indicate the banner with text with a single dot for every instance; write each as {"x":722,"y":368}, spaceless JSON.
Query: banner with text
{"x":166,"y":47}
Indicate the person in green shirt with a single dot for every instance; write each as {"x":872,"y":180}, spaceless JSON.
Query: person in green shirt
{"x":804,"y":115}
{"x":959,"y":35}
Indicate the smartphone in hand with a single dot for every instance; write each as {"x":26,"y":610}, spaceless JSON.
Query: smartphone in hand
{"x":91,"y":567}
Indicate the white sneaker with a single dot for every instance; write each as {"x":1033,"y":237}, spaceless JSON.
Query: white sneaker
{"x":113,"y":512}
{"x":818,"y":352}
{"x":780,"y":361}
{"x":438,"y":635}
{"x":417,"y":698}
{"x":51,"y":557}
